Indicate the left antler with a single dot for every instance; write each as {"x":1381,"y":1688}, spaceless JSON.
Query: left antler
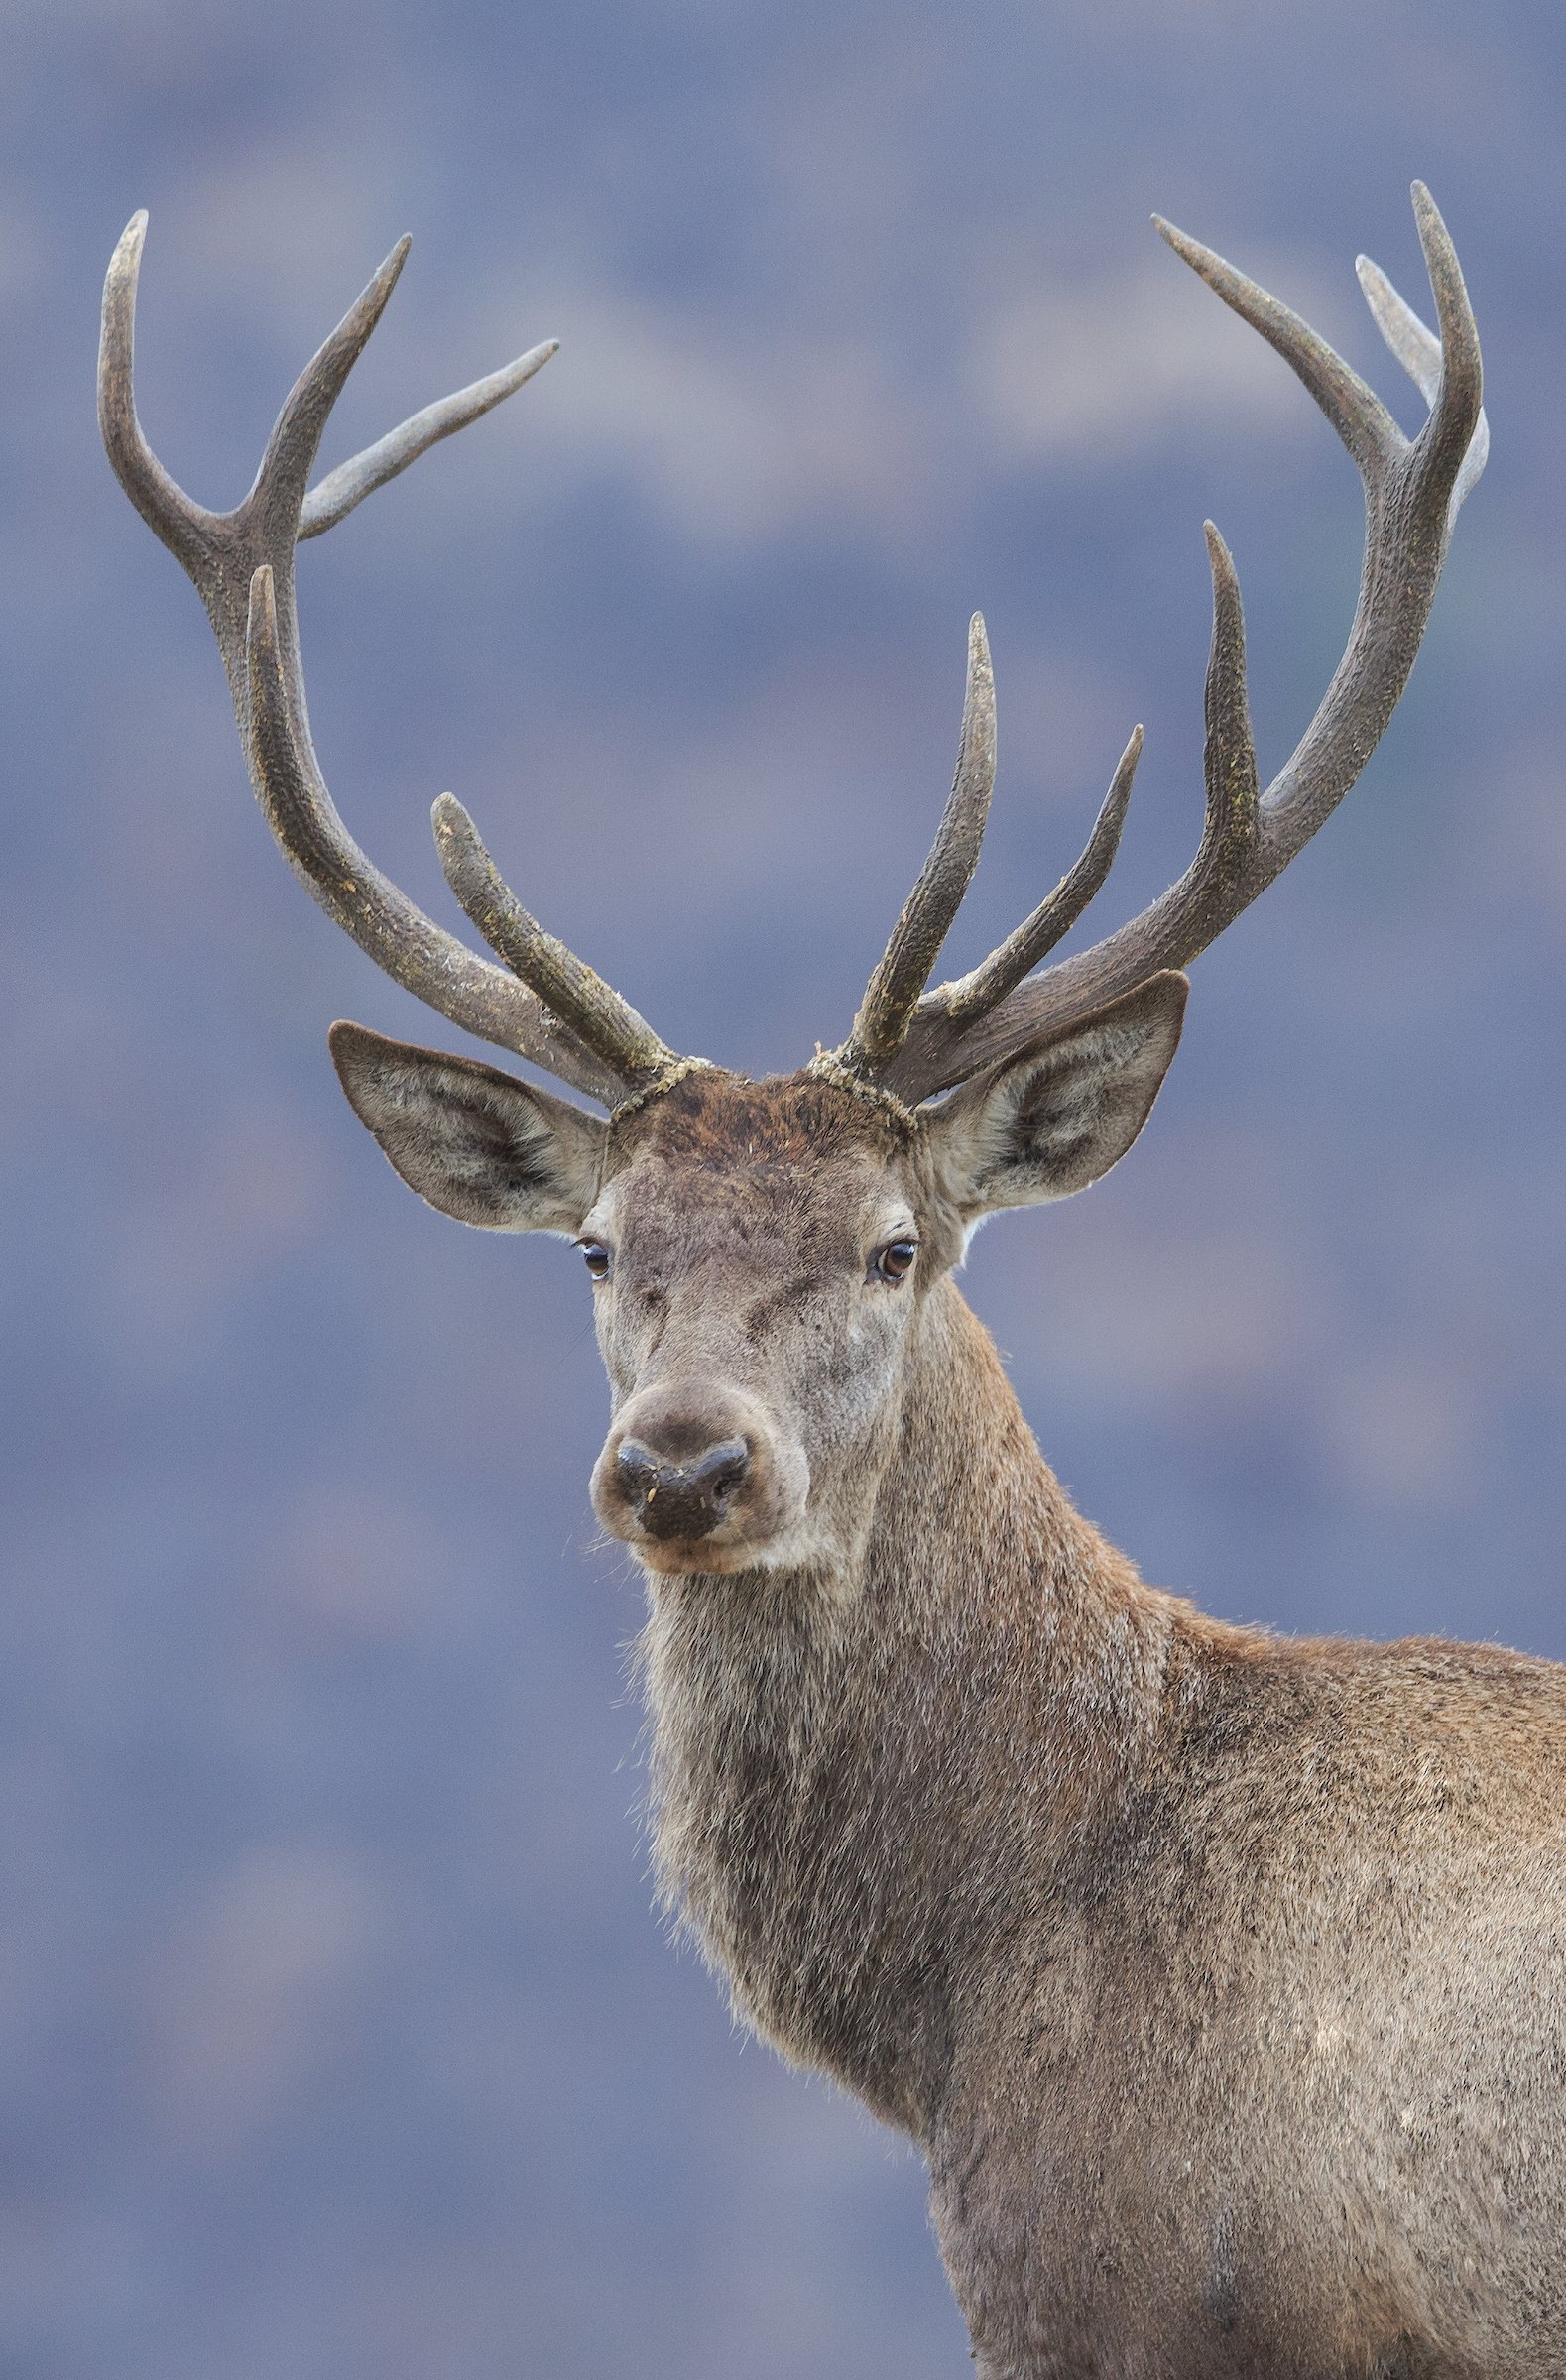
{"x":916,"y":1047}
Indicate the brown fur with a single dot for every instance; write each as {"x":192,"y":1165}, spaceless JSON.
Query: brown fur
{"x":1220,"y":1977}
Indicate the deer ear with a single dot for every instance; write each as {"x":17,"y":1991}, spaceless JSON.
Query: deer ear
{"x":475,"y":1142}
{"x":1059,"y":1113}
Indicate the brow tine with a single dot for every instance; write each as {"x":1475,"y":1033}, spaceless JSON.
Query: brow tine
{"x":416,"y":953}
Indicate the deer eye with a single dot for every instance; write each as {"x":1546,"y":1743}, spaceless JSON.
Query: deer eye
{"x":895,"y":1261}
{"x":596,"y":1259}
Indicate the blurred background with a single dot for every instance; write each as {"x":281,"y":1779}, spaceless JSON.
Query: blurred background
{"x":336,"y":2036}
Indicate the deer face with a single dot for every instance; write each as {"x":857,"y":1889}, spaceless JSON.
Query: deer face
{"x":759,"y":1255}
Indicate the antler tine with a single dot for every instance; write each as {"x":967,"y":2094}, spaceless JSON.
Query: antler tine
{"x":1418,"y":351}
{"x":169,"y":512}
{"x":1459,"y":399}
{"x":974,"y":995}
{"x":334,"y":497}
{"x":242,"y":565}
{"x":278,"y":496}
{"x":894,"y":989}
{"x":1229,"y":768}
{"x":1230,"y":773}
{"x":1246,"y":841}
{"x":1355,"y":410}
{"x":1411,"y":341}
{"x":569,"y":990}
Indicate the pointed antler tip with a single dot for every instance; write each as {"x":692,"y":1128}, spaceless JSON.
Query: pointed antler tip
{"x":462,"y":851}
{"x":1431,"y":223}
{"x":388,"y":274}
{"x":981,"y":671}
{"x":128,"y":247}
{"x":1205,"y":262}
{"x":1181,"y":242}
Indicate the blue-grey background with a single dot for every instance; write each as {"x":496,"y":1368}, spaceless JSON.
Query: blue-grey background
{"x":336,"y":2037}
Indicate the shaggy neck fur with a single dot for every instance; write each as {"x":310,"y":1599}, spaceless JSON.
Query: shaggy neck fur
{"x":852,"y":1778}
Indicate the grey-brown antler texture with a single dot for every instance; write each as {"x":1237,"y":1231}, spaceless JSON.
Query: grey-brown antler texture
{"x":242,"y":565}
{"x":915,"y":1046}
{"x":546,"y":1005}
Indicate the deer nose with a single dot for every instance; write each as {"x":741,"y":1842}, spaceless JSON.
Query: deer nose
{"x":681,"y":1499}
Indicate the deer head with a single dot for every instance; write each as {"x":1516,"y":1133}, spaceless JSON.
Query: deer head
{"x":761,"y":1251}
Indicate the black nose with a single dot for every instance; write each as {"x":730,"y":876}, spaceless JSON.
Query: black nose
{"x":681,"y":1499}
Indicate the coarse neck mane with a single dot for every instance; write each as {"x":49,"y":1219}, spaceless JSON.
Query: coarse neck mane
{"x":846,"y":1774}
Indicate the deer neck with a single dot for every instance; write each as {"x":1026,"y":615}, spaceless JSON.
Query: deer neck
{"x":853,"y":1781}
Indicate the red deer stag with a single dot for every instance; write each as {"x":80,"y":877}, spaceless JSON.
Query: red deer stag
{"x":1220,"y":1978}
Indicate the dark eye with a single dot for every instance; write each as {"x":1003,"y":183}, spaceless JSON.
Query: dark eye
{"x":596,"y":1259}
{"x":895,"y":1261}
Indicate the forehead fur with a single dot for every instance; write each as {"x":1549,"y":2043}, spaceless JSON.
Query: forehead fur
{"x":714,"y":1120}
{"x":791,"y":1158}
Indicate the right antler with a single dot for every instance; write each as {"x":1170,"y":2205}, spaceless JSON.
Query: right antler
{"x":560,"y":1014}
{"x":915,"y":1046}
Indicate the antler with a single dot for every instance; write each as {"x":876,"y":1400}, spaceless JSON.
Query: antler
{"x":560,"y":1014}
{"x":545,"y":1004}
{"x":916,"y":1047}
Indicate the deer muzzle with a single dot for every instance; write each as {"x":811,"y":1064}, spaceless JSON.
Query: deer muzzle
{"x":698,"y":1477}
